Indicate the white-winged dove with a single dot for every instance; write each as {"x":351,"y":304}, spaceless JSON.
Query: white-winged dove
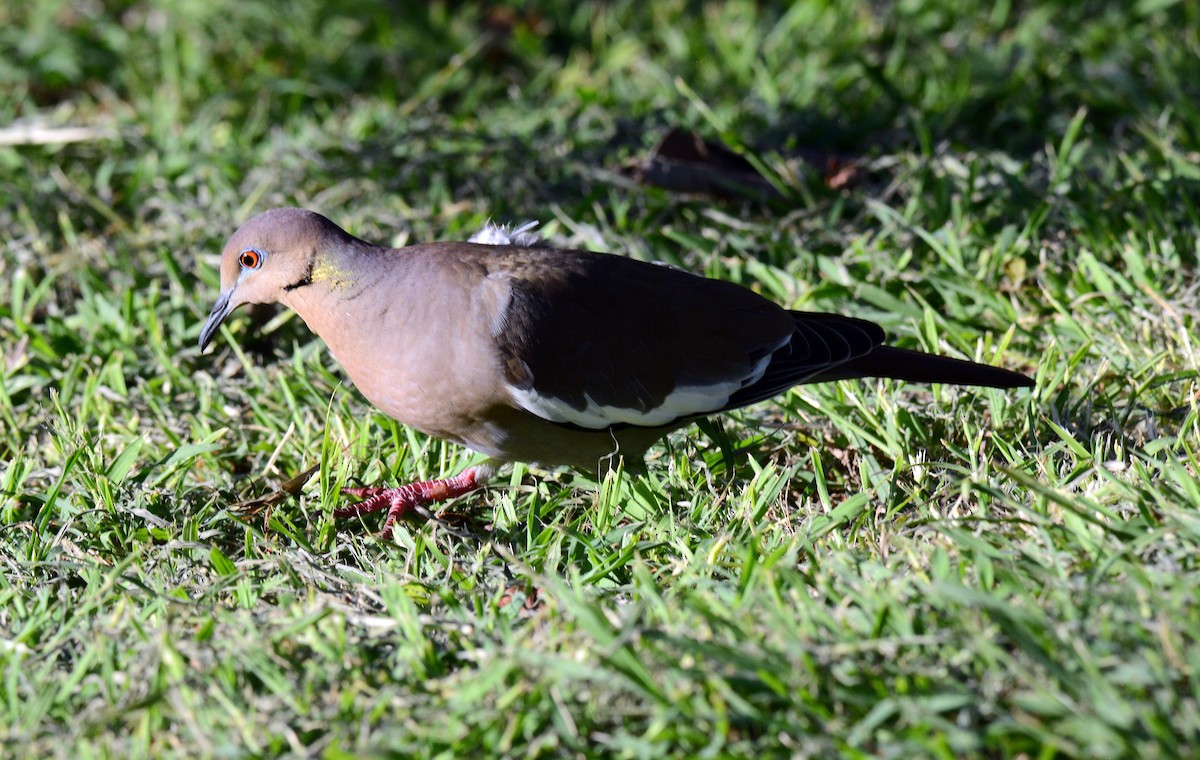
{"x":540,"y":355}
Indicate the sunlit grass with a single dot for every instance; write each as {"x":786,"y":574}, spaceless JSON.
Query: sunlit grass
{"x":863,"y":569}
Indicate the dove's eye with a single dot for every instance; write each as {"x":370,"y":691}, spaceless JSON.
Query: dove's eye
{"x":250,"y":259}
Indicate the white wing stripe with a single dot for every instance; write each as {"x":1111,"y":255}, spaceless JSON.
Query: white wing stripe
{"x":682,"y":402}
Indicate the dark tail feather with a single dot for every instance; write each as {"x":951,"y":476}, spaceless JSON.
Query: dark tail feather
{"x":914,"y":366}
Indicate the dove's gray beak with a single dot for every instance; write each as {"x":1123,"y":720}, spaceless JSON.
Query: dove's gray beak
{"x":220,"y":310}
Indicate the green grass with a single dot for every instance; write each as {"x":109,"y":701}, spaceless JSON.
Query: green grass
{"x":866,"y":569}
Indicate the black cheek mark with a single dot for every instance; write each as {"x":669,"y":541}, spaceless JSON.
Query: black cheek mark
{"x":305,"y":280}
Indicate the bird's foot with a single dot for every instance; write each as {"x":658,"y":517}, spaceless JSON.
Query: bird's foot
{"x":405,"y":499}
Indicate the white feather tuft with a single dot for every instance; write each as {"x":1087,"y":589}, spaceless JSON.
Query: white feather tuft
{"x":506,"y":234}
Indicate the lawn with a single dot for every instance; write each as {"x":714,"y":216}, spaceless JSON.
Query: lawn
{"x":857,"y":569}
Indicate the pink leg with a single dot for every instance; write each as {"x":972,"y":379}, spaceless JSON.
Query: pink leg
{"x":400,"y":501}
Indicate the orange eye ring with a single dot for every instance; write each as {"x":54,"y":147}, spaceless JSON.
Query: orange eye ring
{"x":250,"y":259}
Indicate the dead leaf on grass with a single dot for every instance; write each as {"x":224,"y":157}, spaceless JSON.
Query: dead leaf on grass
{"x":685,"y":162}
{"x":259,"y":505}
